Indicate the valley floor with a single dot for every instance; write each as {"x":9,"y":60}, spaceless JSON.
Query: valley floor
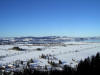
{"x":70,"y":53}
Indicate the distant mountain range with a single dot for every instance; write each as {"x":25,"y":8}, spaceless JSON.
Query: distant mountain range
{"x":42,"y":40}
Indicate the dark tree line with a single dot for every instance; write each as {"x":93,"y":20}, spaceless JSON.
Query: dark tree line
{"x":90,"y":66}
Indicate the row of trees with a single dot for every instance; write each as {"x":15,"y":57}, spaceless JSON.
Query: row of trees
{"x":90,"y":66}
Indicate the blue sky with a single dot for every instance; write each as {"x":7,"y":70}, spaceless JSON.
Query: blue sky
{"x":49,"y":17}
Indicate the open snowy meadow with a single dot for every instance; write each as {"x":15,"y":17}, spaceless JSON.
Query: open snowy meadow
{"x":69,"y":53}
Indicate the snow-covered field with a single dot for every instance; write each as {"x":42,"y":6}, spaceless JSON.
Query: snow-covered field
{"x":69,"y":53}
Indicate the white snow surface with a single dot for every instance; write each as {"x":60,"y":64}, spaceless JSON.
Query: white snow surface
{"x":71,"y":53}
